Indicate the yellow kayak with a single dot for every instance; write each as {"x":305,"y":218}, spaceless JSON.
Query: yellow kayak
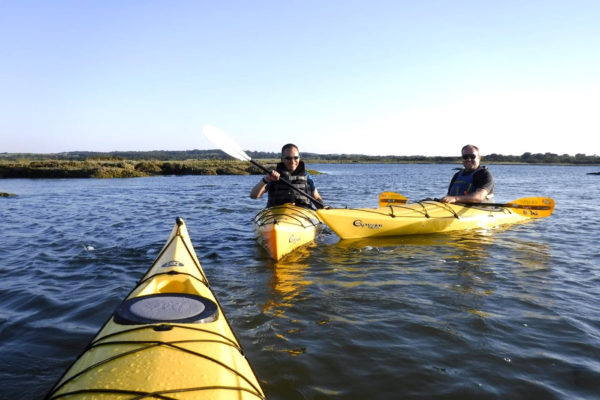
{"x":169,"y":339}
{"x":428,"y":217}
{"x":282,"y":229}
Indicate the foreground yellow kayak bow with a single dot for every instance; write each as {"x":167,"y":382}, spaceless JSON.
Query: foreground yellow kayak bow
{"x":168,"y":339}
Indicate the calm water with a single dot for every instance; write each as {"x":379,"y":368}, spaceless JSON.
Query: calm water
{"x":510,"y":313}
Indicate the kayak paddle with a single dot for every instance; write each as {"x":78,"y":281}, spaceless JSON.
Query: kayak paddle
{"x":533,"y":207}
{"x":230,"y":146}
{"x":390,"y":199}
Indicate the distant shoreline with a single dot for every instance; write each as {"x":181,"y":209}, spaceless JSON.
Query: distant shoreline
{"x":218,"y":155}
{"x":98,"y":168}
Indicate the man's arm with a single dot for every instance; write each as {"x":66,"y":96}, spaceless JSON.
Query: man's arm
{"x":477,"y":196}
{"x":261,"y":187}
{"x":316,"y":195}
{"x":258,"y":190}
{"x":313,"y":189}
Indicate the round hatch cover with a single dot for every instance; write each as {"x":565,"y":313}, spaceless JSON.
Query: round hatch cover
{"x":166,"y":307}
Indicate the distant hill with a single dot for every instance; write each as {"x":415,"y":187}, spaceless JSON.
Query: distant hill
{"x":162,"y":155}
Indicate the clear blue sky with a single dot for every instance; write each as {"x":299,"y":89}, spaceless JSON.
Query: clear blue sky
{"x":341,"y":76}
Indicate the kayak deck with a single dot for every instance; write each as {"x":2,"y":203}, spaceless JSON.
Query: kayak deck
{"x":282,"y":229}
{"x":168,"y":339}
{"x":415,"y":218}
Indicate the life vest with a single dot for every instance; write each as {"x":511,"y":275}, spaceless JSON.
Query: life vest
{"x":463,"y":184}
{"x":281,"y":193}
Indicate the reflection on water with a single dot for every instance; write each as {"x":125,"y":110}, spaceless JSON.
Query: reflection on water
{"x":287,"y":285}
{"x":468,"y":260}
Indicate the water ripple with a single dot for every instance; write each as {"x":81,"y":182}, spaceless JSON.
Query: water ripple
{"x":490,"y":314}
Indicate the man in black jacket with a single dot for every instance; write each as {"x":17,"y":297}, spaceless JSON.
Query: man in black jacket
{"x":292,"y":169}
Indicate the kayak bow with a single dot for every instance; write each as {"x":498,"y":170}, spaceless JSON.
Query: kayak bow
{"x":168,"y":339}
{"x":282,"y":229}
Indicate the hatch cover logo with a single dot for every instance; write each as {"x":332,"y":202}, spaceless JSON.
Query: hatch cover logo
{"x":172,"y":264}
{"x":360,"y":224}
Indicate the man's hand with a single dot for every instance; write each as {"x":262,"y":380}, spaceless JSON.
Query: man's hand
{"x":448,"y":199}
{"x":273,"y":176}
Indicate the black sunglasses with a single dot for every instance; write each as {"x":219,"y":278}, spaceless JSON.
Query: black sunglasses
{"x":469,"y":156}
{"x":289,"y":158}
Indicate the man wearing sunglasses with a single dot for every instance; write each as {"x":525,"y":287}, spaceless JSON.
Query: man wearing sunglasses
{"x":292,"y":169}
{"x":472,"y":184}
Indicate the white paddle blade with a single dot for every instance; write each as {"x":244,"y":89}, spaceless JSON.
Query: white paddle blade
{"x":225,"y":143}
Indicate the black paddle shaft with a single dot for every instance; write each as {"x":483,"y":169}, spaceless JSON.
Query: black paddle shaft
{"x":507,"y":205}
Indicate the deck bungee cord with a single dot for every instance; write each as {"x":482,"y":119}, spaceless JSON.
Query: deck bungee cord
{"x":169,"y":336}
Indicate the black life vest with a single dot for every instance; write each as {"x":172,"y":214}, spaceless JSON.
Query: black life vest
{"x":281,"y":193}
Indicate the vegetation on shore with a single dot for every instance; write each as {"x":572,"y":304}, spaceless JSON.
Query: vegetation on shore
{"x":121,"y":168}
{"x":214,"y":162}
